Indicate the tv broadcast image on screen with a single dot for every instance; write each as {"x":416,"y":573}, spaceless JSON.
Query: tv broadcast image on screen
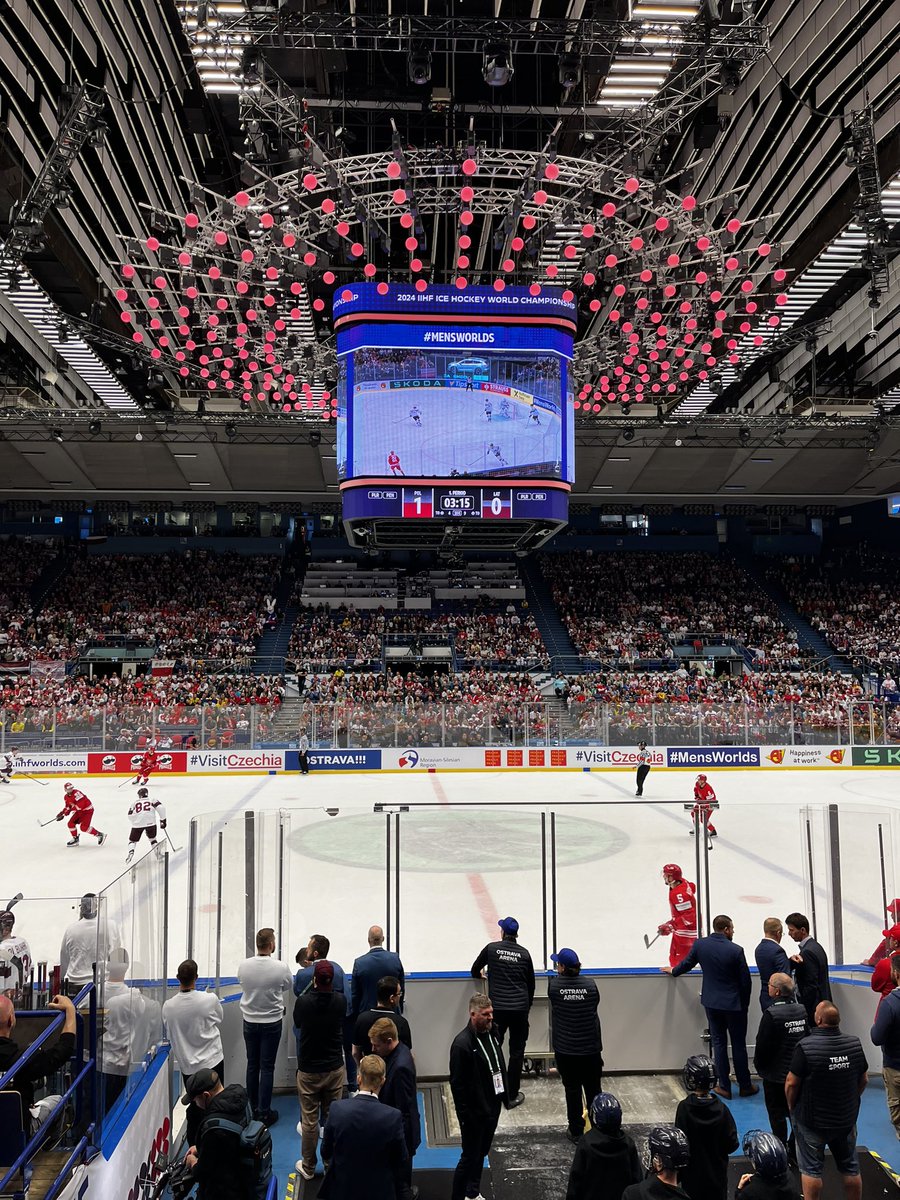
{"x":447,"y":390}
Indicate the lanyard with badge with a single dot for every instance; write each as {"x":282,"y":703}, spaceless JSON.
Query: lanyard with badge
{"x":496,"y":1074}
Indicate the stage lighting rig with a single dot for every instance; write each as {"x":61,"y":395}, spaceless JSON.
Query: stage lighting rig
{"x":497,"y":68}
{"x":418,"y":65}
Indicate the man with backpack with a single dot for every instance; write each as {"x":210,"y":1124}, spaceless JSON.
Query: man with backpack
{"x":233,"y":1156}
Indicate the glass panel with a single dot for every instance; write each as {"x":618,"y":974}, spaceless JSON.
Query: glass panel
{"x":868,"y":879}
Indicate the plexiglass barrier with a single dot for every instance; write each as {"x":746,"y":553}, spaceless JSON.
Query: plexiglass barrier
{"x":587,"y":875}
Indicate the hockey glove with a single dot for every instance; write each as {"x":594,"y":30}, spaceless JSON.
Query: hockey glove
{"x":59,"y":816}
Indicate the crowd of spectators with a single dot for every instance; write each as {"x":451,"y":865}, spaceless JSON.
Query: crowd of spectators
{"x":23,"y":564}
{"x":621,"y":607}
{"x":482,"y":632}
{"x":191,"y":606}
{"x":849,"y":596}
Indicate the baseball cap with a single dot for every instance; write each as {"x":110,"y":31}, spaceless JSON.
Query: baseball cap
{"x":203,"y":1080}
{"x":509,"y":925}
{"x":323,"y":973}
{"x":893,"y":932}
{"x":566,"y":957}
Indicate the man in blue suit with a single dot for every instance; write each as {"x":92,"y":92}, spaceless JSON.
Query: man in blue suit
{"x":364,"y":1145}
{"x":725,"y":995}
{"x":770,"y":959}
{"x":369,"y":968}
{"x":400,"y":1089}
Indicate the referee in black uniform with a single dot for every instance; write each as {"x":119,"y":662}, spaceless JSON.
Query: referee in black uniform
{"x":510,"y":979}
{"x":643,"y":770}
{"x":576,"y":1038}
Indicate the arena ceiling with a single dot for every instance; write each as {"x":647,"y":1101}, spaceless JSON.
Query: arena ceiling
{"x":748,"y":108}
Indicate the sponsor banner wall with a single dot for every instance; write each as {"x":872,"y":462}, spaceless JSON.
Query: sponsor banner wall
{"x":41,"y":762}
{"x":235,"y":760}
{"x":337,"y":760}
{"x":805,"y":756}
{"x":876,"y":756}
{"x":131,"y":1149}
{"x":713,"y":756}
{"x":127,"y":762}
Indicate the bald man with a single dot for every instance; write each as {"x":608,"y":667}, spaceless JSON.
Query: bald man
{"x":46,"y":1060}
{"x":368,"y":969}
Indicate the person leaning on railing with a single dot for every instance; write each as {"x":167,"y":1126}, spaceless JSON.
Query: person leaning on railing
{"x":43,"y":1062}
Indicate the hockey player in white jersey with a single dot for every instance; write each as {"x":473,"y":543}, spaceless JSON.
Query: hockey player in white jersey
{"x":15,"y":959}
{"x":9,"y":763}
{"x":144,"y":815}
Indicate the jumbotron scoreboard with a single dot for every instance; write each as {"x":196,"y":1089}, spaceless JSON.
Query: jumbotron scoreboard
{"x":455,"y":417}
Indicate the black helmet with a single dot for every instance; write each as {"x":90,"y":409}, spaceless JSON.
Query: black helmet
{"x":699,"y":1073}
{"x":143,"y":793}
{"x":766,"y":1152}
{"x":669,"y":1145}
{"x":606,"y":1113}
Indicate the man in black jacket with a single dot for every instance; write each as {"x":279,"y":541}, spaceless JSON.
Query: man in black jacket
{"x":810,"y":965}
{"x":577,"y":1041}
{"x":45,"y":1061}
{"x":319,"y":1016}
{"x":400,"y":1089}
{"x":510,"y":980}
{"x":781,"y":1027}
{"x":215,"y":1161}
{"x":389,"y":995}
{"x":479,"y":1086}
{"x":606,"y":1159}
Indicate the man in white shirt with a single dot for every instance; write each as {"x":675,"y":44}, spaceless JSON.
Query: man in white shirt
{"x":192,"y":1022}
{"x":264,"y":980}
{"x":91,"y":939}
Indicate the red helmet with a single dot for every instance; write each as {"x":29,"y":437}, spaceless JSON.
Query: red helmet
{"x":68,"y":787}
{"x":671,"y":869}
{"x":701,"y":779}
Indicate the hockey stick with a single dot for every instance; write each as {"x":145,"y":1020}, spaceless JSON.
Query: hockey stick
{"x":25,"y":775}
{"x":648,"y":941}
{"x":129,"y":780}
{"x":43,"y":823}
{"x":15,"y":900}
{"x":175,"y":849}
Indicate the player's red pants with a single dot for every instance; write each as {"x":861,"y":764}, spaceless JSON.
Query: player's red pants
{"x":681,"y":944}
{"x":81,"y":819}
{"x":703,"y":811}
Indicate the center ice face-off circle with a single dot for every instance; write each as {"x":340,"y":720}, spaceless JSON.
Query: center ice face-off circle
{"x":462,"y":842}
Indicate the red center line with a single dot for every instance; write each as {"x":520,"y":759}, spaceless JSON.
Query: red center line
{"x":478,"y":887}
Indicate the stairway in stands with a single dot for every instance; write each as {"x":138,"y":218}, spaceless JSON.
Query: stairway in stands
{"x":563,"y":655}
{"x":49,"y":577}
{"x":274,"y":643}
{"x":808,"y":637}
{"x":286,"y":725}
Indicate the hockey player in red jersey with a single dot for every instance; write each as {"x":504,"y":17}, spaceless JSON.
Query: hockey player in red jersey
{"x":704,"y":801}
{"x":393,"y":461}
{"x":80,"y":812}
{"x":147,"y":767}
{"x":882,"y":950}
{"x":683,"y":906}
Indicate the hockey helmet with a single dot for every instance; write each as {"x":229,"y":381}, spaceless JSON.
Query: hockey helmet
{"x":766,"y":1152}
{"x":68,"y":787}
{"x":699,"y":1073}
{"x":88,"y":907}
{"x":7,"y":920}
{"x":642,"y":745}
{"x":143,"y":793}
{"x":673,"y":870}
{"x":701,"y":779}
{"x":606,"y":1113}
{"x":669,"y":1147}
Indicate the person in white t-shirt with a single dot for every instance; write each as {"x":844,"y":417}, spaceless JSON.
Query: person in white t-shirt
{"x":192,"y":1022}
{"x":91,"y":939}
{"x":264,"y":980}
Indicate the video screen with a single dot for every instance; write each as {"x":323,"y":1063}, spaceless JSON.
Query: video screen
{"x":454,"y":397}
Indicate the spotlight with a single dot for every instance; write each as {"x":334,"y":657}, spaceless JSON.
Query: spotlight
{"x":230,"y":429}
{"x":315,"y":437}
{"x":94,"y":427}
{"x":569,"y":70}
{"x":418,"y":66}
{"x":744,"y":435}
{"x":497,"y":68}
{"x":138,"y":437}
{"x":679,"y":442}
{"x":50,"y":377}
{"x":627,"y":435}
{"x":56,"y":434}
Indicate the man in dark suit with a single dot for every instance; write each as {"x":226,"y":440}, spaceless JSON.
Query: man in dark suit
{"x":364,"y":1144}
{"x":368,"y":969}
{"x":400,"y":1090}
{"x":770,"y":958}
{"x":725,"y":995}
{"x":810,"y":966}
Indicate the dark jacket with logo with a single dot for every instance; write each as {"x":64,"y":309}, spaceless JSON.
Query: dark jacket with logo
{"x":830,"y":1065}
{"x":573,"y":1008}
{"x":510,"y":975}
{"x":781,"y":1027}
{"x":471,"y":1076}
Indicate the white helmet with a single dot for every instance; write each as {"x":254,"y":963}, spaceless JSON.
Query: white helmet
{"x":68,"y":787}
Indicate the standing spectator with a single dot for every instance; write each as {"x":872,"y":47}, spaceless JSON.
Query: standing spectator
{"x":42,"y":1062}
{"x":643,"y":769}
{"x":319,"y":1016}
{"x":576,"y":1037}
{"x":388,"y":999}
{"x":264,"y":980}
{"x":317,"y":950}
{"x":824,"y":1086}
{"x":400,"y":1089}
{"x":810,"y":965}
{"x":886,"y":1034}
{"x":87,"y":941}
{"x":782,"y":1026}
{"x":192,"y":1022}
{"x":669,"y":1155}
{"x":479,"y":1087}
{"x":770,"y":1179}
{"x":710,"y":1130}
{"x":882,"y":977}
{"x":606,"y":1159}
{"x":726,"y":997}
{"x":215,"y":1158}
{"x":363,"y":1143}
{"x":369,"y":968}
{"x":770,"y":957}
{"x":510,"y":980}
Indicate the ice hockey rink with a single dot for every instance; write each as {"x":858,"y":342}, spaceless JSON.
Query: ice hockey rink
{"x":470,"y":852}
